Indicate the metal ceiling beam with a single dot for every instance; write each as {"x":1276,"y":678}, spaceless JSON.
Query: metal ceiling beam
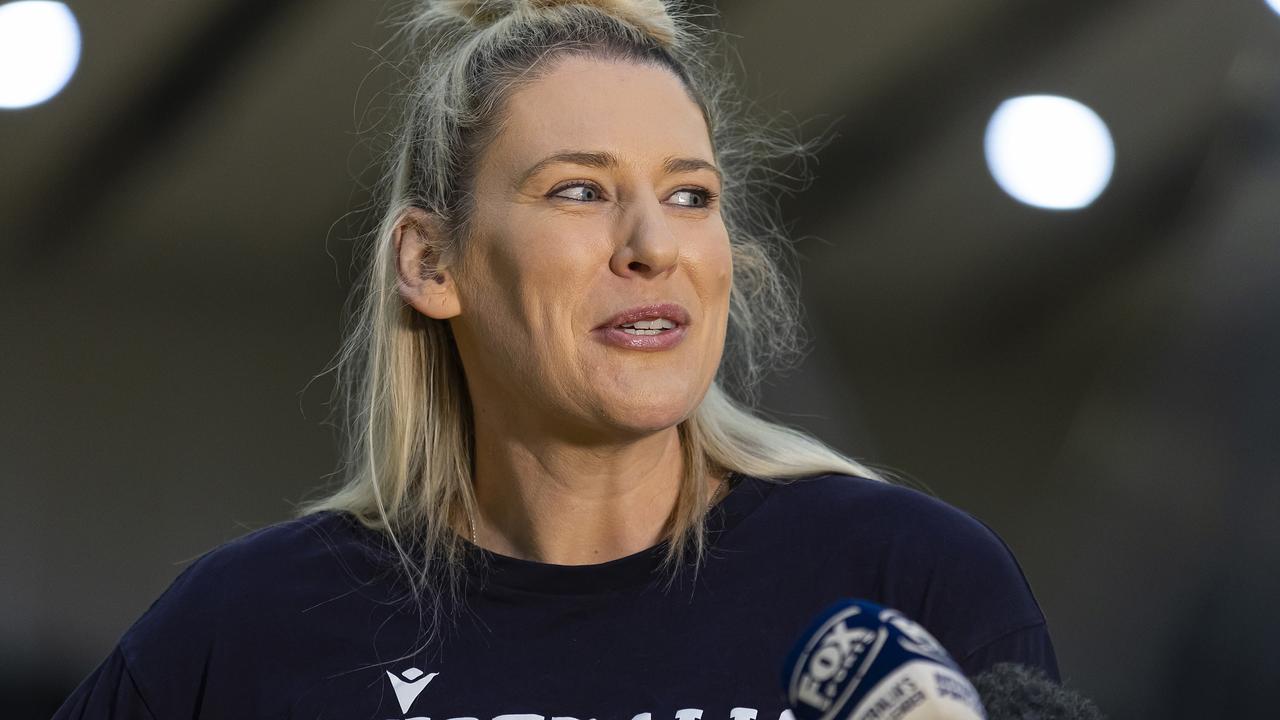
{"x":163,"y":105}
{"x":885,"y":129}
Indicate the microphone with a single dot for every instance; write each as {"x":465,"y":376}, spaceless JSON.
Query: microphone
{"x":862,"y":661}
{"x":1014,"y":692}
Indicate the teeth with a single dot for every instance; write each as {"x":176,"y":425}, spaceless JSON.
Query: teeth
{"x":654,"y":324}
{"x":634,"y":331}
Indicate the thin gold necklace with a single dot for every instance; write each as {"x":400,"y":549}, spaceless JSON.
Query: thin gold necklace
{"x":715,"y":496}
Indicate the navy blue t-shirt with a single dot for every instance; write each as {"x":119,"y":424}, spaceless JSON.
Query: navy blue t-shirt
{"x":310,"y":618}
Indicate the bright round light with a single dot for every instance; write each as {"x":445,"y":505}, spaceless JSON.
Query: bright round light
{"x":39,"y":51}
{"x":1050,"y":152}
{"x":1275,"y":5}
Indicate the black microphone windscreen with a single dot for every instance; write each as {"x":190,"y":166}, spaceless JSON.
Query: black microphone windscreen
{"x":1016,"y":692}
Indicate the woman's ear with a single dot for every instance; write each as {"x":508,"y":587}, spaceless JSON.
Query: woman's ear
{"x":424,"y":282}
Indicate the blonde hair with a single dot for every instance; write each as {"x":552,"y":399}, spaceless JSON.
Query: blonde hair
{"x":407,"y":414}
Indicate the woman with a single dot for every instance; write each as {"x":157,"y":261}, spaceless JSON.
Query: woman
{"x":553,"y":507}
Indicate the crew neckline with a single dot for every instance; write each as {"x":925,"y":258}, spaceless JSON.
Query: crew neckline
{"x":491,"y":569}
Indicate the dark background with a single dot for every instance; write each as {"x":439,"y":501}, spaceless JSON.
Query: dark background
{"x":1100,"y":386}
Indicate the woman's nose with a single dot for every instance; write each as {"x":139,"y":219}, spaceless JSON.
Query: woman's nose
{"x":647,"y":246}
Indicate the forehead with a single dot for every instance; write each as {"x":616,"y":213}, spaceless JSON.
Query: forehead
{"x":638,"y":111}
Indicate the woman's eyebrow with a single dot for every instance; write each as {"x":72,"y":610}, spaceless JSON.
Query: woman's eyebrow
{"x":607,"y":160}
{"x":682,"y":165}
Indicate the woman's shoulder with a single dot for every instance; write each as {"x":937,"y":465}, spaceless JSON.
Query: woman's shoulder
{"x":236,"y":614}
{"x":867,"y":507}
{"x":897,"y":522}
{"x":252,"y":579}
{"x":287,"y":547}
{"x":907,"y":549}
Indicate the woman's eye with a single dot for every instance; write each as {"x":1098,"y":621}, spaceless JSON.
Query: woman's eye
{"x":692,"y":198}
{"x":587,"y":192}
{"x":581,"y":192}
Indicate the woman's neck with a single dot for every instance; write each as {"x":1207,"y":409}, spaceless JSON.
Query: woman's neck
{"x":554,"y":502}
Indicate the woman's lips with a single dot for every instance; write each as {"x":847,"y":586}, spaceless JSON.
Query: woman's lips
{"x":664,"y":340}
{"x":674,"y":312}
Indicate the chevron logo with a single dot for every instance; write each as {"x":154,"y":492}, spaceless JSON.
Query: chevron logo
{"x":409,"y":685}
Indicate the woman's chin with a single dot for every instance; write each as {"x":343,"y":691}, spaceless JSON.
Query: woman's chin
{"x":648,"y":413}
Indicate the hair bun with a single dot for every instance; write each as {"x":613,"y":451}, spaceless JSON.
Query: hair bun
{"x":649,"y":16}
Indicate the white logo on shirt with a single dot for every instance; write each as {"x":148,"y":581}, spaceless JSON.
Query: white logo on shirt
{"x":408,"y":685}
